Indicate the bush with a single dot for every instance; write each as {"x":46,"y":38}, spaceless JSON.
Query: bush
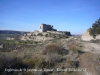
{"x":46,"y":35}
{"x":73,"y":46}
{"x":95,"y":41}
{"x":73,"y":64}
{"x":40,"y":34}
{"x":53,"y":58}
{"x":37,"y":63}
{"x":10,"y":61}
{"x":53,"y":48}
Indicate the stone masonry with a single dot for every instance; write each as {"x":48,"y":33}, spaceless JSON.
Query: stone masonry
{"x":46,"y":27}
{"x":42,"y":35}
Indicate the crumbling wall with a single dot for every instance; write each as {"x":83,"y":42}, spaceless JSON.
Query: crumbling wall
{"x":45,"y":27}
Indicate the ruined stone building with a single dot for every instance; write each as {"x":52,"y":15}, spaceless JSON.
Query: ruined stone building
{"x":47,"y":32}
{"x":46,"y":27}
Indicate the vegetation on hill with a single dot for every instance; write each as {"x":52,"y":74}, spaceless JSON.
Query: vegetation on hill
{"x":30,"y":55}
{"x":95,"y":29}
{"x":56,"y":55}
{"x":59,"y":56}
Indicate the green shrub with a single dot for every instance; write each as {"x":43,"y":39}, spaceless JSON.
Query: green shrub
{"x":37,"y":63}
{"x":95,"y":29}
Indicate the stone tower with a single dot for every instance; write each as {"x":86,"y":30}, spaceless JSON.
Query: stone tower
{"x":41,"y":28}
{"x":45,"y":27}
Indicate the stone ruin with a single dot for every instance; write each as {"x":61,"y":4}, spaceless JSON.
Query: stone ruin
{"x":45,"y":29}
{"x":50,"y":29}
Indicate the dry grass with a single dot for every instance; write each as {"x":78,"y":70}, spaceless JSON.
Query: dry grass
{"x":61,"y":54}
{"x":74,"y":46}
{"x":91,"y":62}
{"x":53,"y":58}
{"x":53,"y":48}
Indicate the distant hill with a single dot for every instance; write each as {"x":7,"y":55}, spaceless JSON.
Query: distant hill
{"x":10,"y":33}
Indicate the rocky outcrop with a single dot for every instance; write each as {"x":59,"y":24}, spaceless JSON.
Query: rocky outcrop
{"x":1,"y":46}
{"x":88,"y":37}
{"x":98,"y":37}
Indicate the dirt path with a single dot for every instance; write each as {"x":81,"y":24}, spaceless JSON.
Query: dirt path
{"x":89,"y":59}
{"x":91,"y":47}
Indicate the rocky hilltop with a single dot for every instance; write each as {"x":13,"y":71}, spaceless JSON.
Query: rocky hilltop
{"x":47,"y":32}
{"x":42,"y":36}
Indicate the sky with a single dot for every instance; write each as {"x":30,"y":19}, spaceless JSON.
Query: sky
{"x":75,"y":16}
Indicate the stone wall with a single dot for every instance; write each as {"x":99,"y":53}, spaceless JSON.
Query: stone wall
{"x":35,"y":36}
{"x":60,"y":32}
{"x":45,"y":27}
{"x":9,"y":38}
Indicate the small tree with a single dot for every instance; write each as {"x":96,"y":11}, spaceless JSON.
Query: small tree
{"x":95,"y":29}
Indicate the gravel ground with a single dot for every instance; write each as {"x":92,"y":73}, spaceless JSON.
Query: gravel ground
{"x":91,"y":47}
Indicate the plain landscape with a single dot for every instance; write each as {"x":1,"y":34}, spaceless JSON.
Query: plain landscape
{"x":59,"y":55}
{"x":49,"y":37}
